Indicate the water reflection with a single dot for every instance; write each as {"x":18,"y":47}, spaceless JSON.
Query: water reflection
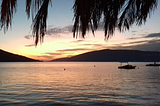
{"x":78,"y":84}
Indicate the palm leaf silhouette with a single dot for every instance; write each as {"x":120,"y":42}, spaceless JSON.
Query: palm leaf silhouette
{"x":120,"y":14}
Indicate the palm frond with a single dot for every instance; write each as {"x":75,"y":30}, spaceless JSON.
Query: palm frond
{"x":111,"y":10}
{"x":145,"y":9}
{"x":28,"y":7}
{"x":39,"y":23}
{"x":8,"y":7}
{"x":32,"y":6}
{"x":119,"y":14}
{"x":87,"y":15}
{"x":135,"y":11}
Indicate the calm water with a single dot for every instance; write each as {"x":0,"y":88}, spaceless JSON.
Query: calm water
{"x":78,"y":83}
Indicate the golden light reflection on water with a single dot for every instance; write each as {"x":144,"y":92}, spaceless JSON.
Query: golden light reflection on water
{"x":78,"y":83}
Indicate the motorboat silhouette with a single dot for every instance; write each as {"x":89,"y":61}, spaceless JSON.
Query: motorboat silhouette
{"x":128,"y":66}
{"x":154,"y":64}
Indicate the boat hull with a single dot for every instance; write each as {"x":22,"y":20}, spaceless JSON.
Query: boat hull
{"x":153,"y":65}
{"x":127,"y":67}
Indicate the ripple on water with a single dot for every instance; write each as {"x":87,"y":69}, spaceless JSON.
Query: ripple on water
{"x":43,"y":84}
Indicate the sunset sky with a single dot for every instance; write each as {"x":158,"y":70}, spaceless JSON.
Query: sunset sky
{"x":59,"y":41}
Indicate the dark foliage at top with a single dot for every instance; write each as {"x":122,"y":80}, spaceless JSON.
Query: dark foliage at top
{"x":119,"y":14}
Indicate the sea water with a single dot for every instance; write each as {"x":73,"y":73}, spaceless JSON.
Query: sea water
{"x":78,"y":83}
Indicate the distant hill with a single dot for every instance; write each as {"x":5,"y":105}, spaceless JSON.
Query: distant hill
{"x":116,"y":56}
{"x":10,"y":57}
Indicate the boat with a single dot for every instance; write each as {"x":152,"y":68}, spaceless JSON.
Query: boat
{"x":154,"y":64}
{"x":128,"y":66}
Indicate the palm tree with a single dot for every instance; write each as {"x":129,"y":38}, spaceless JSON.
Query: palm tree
{"x":120,"y":14}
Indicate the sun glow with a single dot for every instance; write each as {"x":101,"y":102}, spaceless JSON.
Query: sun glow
{"x":63,"y":46}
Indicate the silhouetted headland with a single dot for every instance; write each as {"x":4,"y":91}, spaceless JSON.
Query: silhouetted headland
{"x":115,"y":56}
{"x":10,"y":57}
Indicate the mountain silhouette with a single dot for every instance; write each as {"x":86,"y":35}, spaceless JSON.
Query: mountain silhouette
{"x":10,"y":57}
{"x":115,"y":56}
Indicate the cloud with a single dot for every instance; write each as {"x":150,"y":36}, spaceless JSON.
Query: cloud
{"x":134,"y":42}
{"x":67,"y":29}
{"x":53,"y":54}
{"x":153,"y":35}
{"x":77,"y":41}
{"x":44,"y":57}
{"x":30,"y":45}
{"x":147,"y":45}
{"x":134,"y":38}
{"x":28,"y":36}
{"x":55,"y":32}
{"x":134,"y":31}
{"x":59,"y":30}
{"x":95,"y":46}
{"x":62,"y":53}
{"x":71,"y":50}
{"x":150,"y":42}
{"x":48,"y":56}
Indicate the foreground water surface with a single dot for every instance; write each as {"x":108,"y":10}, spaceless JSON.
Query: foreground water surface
{"x":78,"y":83}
